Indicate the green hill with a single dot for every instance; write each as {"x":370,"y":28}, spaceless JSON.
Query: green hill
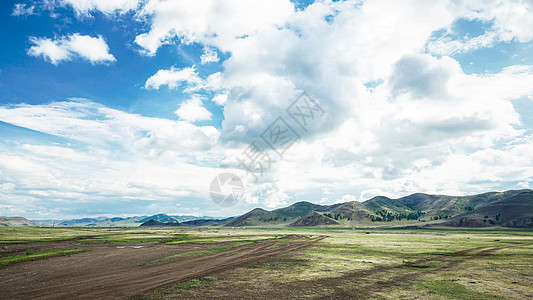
{"x":163,"y":218}
{"x":313,"y":219}
{"x":507,"y":209}
{"x":16,"y":221}
{"x":514,"y":210}
{"x":286,"y":215}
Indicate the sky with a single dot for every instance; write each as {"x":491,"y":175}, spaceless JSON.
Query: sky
{"x":134,"y":107}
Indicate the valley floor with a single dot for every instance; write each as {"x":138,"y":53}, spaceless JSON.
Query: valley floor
{"x":268,"y":263}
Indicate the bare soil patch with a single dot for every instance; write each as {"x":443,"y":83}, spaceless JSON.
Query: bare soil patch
{"x":17,"y":249}
{"x":114,"y":271}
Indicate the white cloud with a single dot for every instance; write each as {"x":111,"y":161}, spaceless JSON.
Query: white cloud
{"x":83,"y":7}
{"x":217,"y":23}
{"x":423,"y":76}
{"x":428,"y":127}
{"x":370,"y":193}
{"x":188,"y":78}
{"x":345,"y":198}
{"x":102,"y":157}
{"x":447,"y":45}
{"x":388,"y":141}
{"x":192,"y":110}
{"x":269,"y":195}
{"x":209,"y":56}
{"x":526,"y":183}
{"x":173,"y":78}
{"x":220,"y":99}
{"x":92,"y":123}
{"x":21,"y":10}
{"x":214,"y":82}
{"x":509,"y":20}
{"x":93,"y":49}
{"x":51,"y":50}
{"x":268,"y":70}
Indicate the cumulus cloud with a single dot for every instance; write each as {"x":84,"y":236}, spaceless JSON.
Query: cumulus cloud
{"x":508,"y":20}
{"x":192,"y":110}
{"x":51,"y":50}
{"x":388,"y":140}
{"x":427,"y":127}
{"x":381,"y":141}
{"x":65,"y":48}
{"x":212,"y":22}
{"x":269,"y":195}
{"x":220,"y":99}
{"x":174,"y":77}
{"x":91,"y":48}
{"x":188,"y":80}
{"x":423,"y":76}
{"x":268,"y":70}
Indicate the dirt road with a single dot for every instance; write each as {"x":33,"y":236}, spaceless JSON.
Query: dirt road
{"x":109,"y":272}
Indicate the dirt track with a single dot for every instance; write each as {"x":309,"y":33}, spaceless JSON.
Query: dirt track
{"x":109,"y":272}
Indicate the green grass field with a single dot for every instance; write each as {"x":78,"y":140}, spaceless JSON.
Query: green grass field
{"x":391,"y":264}
{"x":28,"y":256}
{"x":349,"y":263}
{"x":114,"y":235}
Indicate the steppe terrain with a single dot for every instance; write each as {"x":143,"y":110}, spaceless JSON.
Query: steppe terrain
{"x":264,"y":263}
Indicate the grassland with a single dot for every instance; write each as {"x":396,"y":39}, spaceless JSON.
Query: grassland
{"x":349,"y":263}
{"x":31,"y":256}
{"x":15,"y":235}
{"x":114,"y":235}
{"x":391,"y":264}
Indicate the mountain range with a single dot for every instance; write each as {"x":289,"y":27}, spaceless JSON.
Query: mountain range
{"x":16,"y":221}
{"x":119,"y":221}
{"x":512,"y":209}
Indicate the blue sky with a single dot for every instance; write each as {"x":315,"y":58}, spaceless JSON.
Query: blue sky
{"x":130,"y":107}
{"x":117,"y":85}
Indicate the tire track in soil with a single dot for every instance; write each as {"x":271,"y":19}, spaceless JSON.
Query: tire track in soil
{"x":128,"y":282}
{"x":366,"y":290}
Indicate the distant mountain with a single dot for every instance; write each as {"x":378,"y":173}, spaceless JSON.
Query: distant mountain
{"x":507,"y":209}
{"x":513,"y":209}
{"x":16,"y":221}
{"x":164,"y":220}
{"x":159,"y":217}
{"x":207,"y":222}
{"x":118,"y":221}
{"x":157,"y":223}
